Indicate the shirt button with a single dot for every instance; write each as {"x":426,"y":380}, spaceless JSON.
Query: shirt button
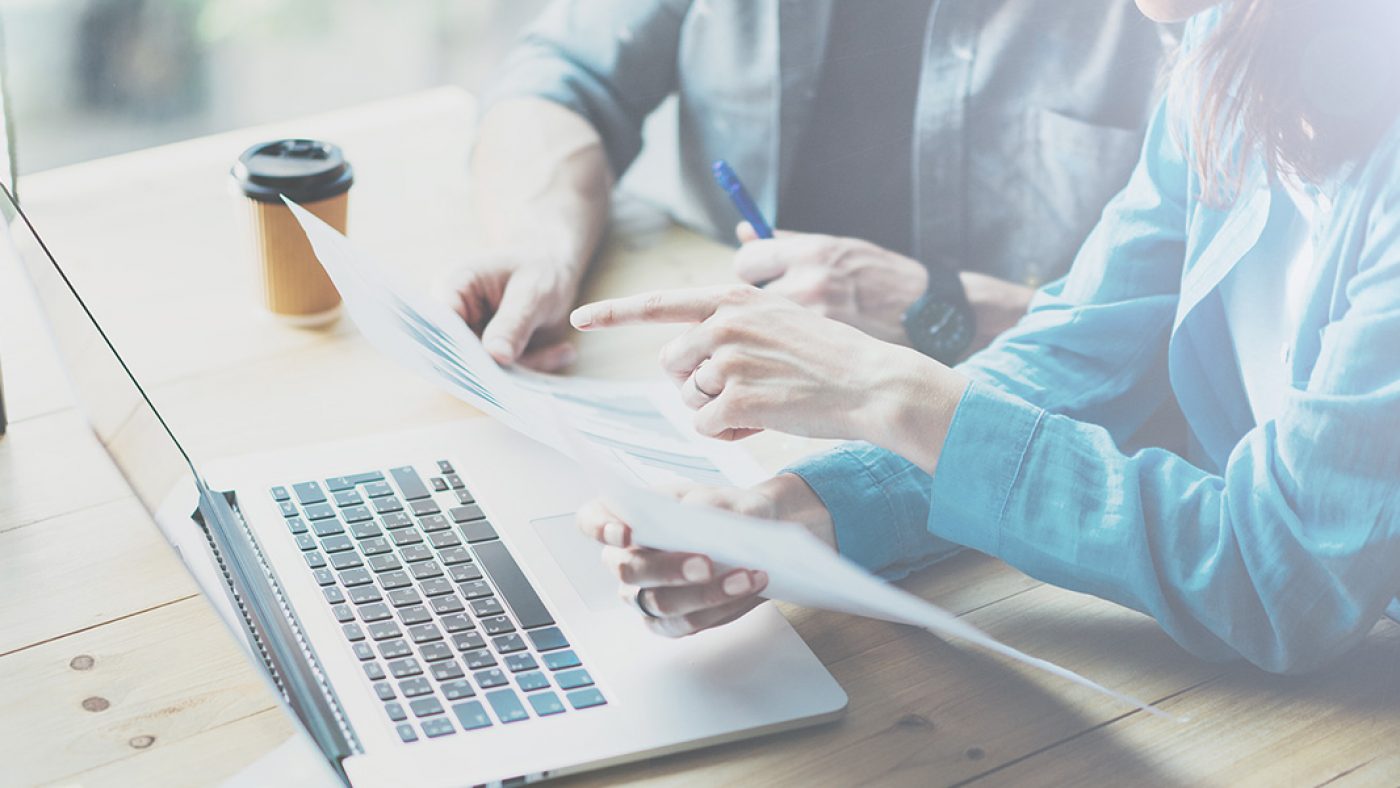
{"x":1286,"y":353}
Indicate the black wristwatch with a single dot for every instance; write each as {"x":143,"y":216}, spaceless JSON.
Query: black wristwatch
{"x":941,"y":323}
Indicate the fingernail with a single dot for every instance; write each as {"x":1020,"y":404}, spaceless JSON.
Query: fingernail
{"x":696,"y":569}
{"x":612,"y":534}
{"x":737,"y":584}
{"x":581,"y":317}
{"x":500,"y":349}
{"x":760,"y":579}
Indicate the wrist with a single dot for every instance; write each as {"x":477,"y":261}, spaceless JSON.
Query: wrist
{"x":795,"y":502}
{"x":911,"y":406}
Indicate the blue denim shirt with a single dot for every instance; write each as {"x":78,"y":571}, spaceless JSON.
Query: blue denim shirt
{"x":1014,"y":99}
{"x":1276,"y":542}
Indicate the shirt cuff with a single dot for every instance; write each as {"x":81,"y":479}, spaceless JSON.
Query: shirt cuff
{"x":981,"y":461}
{"x":879,"y":506}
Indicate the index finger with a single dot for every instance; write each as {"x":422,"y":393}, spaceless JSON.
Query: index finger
{"x":668,"y":306}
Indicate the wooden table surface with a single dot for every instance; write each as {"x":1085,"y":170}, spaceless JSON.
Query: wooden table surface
{"x":113,"y":671}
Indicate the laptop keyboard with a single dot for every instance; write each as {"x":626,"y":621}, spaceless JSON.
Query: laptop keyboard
{"x":450,"y":634}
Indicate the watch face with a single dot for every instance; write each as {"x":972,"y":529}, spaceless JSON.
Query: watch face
{"x":945,"y":331}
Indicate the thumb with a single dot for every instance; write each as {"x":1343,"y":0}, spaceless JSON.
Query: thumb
{"x":518,"y":315}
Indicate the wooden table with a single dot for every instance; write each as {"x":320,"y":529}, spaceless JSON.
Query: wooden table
{"x":114,"y":671}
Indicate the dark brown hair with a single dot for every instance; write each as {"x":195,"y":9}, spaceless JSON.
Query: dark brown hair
{"x":1308,"y":85}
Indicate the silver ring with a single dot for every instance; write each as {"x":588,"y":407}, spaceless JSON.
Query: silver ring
{"x":640,"y":605}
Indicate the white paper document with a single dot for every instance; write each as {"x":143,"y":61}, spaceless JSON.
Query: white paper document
{"x":631,"y":438}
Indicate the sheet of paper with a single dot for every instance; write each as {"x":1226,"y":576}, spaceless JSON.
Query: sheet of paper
{"x":626,"y":443}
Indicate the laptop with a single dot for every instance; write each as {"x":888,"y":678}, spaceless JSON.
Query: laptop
{"x":421,"y":602}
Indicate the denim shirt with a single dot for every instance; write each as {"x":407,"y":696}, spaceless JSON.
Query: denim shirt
{"x":1279,"y":542}
{"x":1028,"y":119}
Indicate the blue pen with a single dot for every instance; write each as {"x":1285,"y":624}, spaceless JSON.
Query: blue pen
{"x":729,"y":181}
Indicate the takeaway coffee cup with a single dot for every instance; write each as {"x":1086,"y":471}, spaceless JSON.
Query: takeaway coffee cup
{"x":316,"y":176}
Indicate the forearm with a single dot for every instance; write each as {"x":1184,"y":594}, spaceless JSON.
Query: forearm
{"x":910,"y":407}
{"x":540,"y":178}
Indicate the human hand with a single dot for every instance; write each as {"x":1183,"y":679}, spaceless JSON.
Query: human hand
{"x":680,"y":593}
{"x":755,"y":360}
{"x":997,"y":303}
{"x":845,"y":279}
{"x":516,"y":299}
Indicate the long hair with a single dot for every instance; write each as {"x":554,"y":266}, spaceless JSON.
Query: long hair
{"x":1307,"y":85}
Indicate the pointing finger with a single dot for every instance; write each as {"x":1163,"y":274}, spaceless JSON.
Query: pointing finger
{"x":670,"y":306}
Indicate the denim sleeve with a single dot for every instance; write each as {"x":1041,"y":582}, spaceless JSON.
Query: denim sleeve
{"x":611,"y":61}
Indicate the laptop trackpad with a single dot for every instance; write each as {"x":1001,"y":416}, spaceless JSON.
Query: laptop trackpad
{"x":578,"y":557}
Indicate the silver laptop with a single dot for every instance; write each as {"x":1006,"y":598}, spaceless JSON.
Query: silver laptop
{"x":421,"y":601}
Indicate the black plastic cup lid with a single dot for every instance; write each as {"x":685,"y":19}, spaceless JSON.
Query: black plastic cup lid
{"x":304,"y":170}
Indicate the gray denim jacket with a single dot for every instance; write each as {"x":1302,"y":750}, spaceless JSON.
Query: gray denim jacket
{"x":1029,"y":117}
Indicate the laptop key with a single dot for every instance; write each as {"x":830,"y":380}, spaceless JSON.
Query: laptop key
{"x":482,"y":608}
{"x":406,"y":732}
{"x":454,"y":481}
{"x":410,"y":483}
{"x":560,"y":660}
{"x":586,"y":698}
{"x":464,"y":573}
{"x":306,"y":541}
{"x":415,"y":688}
{"x":333,"y":594}
{"x":403,"y":668}
{"x":387,"y":504}
{"x":530,"y":682}
{"x":403,"y":597}
{"x":338,"y":483}
{"x":393,"y":580}
{"x":416,"y":552}
{"x":280,"y":494}
{"x":405,"y":536}
{"x":375,"y":612}
{"x":426,"y":707}
{"x":309,"y":493}
{"x":365,"y":529}
{"x":329,"y":527}
{"x":396,"y":520}
{"x":508,"y":644}
{"x":462,"y":514}
{"x":376,"y":546}
{"x":479,"y":659}
{"x":436,"y":586}
{"x":337,"y":544}
{"x":444,"y":466}
{"x":346,"y":498}
{"x":455,"y":622}
{"x":486,"y":679}
{"x":447,"y":670}
{"x":384,"y":630}
{"x":343,"y":613}
{"x":477,"y":589}
{"x":348,"y":560}
{"x":356,"y":514}
{"x":549,"y":639}
{"x":443,"y":540}
{"x":354,"y":577}
{"x":425,"y":633}
{"x":507,"y":705}
{"x":324,"y":577}
{"x":396,"y":712}
{"x":297,"y":525}
{"x":376,"y":673}
{"x":384,"y":563}
{"x":516,"y":663}
{"x":435,"y":652}
{"x":393,"y":649}
{"x":314,"y":559}
{"x":363,"y":652}
{"x":514,"y":587}
{"x":546,"y":703}
{"x":434,"y":522}
{"x":471,"y":715}
{"x":415,"y":615}
{"x":573,"y":679}
{"x":449,"y":603}
{"x":319,"y":511}
{"x":363,"y":595}
{"x":498,"y":625}
{"x":456,"y":690}
{"x":426,"y":569}
{"x":439,"y":484}
{"x":378,"y":489}
{"x":468,"y":641}
{"x":437,"y":727}
{"x":463,"y":497}
{"x":477,"y":531}
{"x":353,"y":633}
{"x":288,"y":508}
{"x":424,"y":508}
{"x":454,"y":555}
